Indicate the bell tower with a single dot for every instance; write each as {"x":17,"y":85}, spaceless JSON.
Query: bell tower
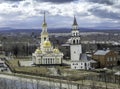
{"x":75,"y":43}
{"x":44,"y":33}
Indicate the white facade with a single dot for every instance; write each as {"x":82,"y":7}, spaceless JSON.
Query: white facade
{"x":75,"y":51}
{"x":80,"y":65}
{"x":45,"y":54}
{"x":47,"y":59}
{"x":84,"y":63}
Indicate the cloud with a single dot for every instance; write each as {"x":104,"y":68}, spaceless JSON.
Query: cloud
{"x":105,"y":11}
{"x":89,"y":13}
{"x":10,"y":1}
{"x":114,"y":3}
{"x":56,"y":1}
{"x":51,"y":1}
{"x":108,"y":2}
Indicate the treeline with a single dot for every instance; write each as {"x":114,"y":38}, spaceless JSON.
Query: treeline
{"x":19,"y":49}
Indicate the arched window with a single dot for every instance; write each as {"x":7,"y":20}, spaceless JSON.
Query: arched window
{"x":77,"y":41}
{"x":74,"y":34}
{"x":44,"y":38}
{"x":46,"y":60}
{"x":73,"y":41}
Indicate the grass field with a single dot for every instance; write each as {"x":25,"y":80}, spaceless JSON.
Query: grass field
{"x":65,"y":71}
{"x":14,"y":65}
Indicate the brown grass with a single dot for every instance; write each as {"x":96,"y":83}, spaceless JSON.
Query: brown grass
{"x":29,"y":70}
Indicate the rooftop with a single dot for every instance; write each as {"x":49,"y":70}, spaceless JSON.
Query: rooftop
{"x":101,"y":52}
{"x":85,"y":58}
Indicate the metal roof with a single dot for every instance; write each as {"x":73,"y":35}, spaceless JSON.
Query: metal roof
{"x":85,"y":58}
{"x":101,"y":52}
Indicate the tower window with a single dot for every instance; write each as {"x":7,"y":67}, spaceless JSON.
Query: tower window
{"x":73,"y":34}
{"x":44,"y":38}
{"x":73,"y":41}
{"x":77,"y":41}
{"x":75,"y":67}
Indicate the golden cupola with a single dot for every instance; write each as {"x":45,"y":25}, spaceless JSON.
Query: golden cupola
{"x":47,"y":44}
{"x":56,"y":50}
{"x":38,"y":51}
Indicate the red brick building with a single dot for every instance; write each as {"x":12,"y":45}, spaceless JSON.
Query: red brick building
{"x":106,"y":58}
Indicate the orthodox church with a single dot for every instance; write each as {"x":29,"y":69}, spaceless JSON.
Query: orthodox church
{"x":79,"y":60}
{"x":46,"y":54}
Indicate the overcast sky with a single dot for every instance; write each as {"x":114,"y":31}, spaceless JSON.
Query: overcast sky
{"x":59,"y":13}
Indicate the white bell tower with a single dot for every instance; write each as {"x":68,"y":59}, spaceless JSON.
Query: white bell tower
{"x":75,"y":44}
{"x":44,"y":33}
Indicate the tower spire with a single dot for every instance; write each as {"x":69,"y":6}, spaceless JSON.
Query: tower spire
{"x":44,"y":21}
{"x":75,"y":21}
{"x":44,"y":18}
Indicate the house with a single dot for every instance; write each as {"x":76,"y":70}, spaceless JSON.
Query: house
{"x":106,"y":58}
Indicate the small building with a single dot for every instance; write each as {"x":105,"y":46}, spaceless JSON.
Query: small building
{"x":85,"y":63}
{"x":106,"y":58}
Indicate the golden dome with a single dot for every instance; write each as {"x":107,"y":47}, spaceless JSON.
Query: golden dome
{"x":56,"y":50}
{"x":38,"y":51}
{"x":47,"y":44}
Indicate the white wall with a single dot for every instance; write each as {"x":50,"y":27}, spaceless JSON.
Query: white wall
{"x":75,"y":50}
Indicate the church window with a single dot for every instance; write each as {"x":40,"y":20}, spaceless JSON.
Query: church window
{"x":73,"y":41}
{"x":44,"y":38}
{"x":75,"y":67}
{"x":46,"y":60}
{"x":74,"y":34}
{"x":51,"y":61}
{"x":77,"y":41}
